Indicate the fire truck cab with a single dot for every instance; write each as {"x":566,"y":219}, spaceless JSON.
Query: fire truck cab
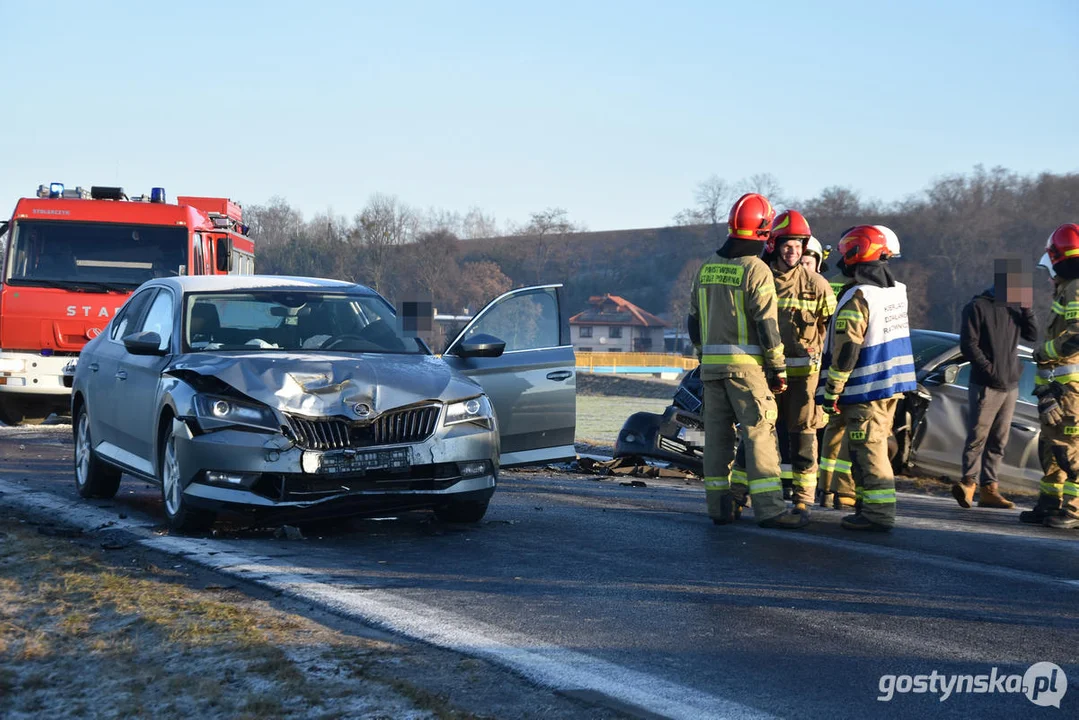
{"x":71,"y":258}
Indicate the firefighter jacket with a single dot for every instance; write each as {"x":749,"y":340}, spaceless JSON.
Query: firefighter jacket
{"x":806,"y":302}
{"x":734,"y":304}
{"x":868,"y":355}
{"x":1058,"y":357}
{"x":837,"y":280}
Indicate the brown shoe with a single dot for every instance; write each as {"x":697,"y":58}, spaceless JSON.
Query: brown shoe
{"x":963,"y":492}
{"x":989,"y":497}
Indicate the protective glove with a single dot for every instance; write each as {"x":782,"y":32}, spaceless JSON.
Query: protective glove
{"x":1049,"y":410}
{"x":777,"y":380}
{"x":831,"y":404}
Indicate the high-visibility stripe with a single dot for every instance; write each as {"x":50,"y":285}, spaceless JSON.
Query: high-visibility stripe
{"x":1051,"y":350}
{"x":1057,"y":308}
{"x":731,"y":349}
{"x":835,"y":465}
{"x":1053,"y":489}
{"x":702,"y":300}
{"x":877,"y":497}
{"x":803,"y":371}
{"x":1062,"y":379}
{"x":1069,"y":253}
{"x":775,"y":353}
{"x":765,"y":485}
{"x":838,"y":375}
{"x":731,"y":360}
{"x":766,"y":289}
{"x":849,"y":315}
{"x":1071,"y":488}
{"x":740,"y":315}
{"x":800,"y":361}
{"x":796,"y":303}
{"x":829,"y":305}
{"x":717,"y":483}
{"x":738,"y":477}
{"x":805,"y":480}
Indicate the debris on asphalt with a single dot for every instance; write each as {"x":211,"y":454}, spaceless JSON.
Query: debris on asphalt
{"x":631,"y":466}
{"x":288,"y":532}
{"x":113,"y":545}
{"x":634,"y":483}
{"x":52,"y":531}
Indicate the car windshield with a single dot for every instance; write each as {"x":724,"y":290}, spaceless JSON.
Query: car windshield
{"x":100,"y":256}
{"x":926,"y":347}
{"x":292,"y":320}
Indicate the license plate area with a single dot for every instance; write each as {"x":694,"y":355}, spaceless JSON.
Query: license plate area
{"x":356,"y":462}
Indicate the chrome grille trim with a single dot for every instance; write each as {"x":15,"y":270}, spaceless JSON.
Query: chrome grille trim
{"x":396,"y":427}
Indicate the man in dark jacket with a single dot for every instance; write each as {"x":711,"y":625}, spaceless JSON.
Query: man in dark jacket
{"x":992,"y":325}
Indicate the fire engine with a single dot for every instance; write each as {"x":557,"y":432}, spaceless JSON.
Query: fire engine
{"x":71,"y":257}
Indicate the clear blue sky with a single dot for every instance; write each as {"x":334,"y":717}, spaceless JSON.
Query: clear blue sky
{"x":613,"y":110}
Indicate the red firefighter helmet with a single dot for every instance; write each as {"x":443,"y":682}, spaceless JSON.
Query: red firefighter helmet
{"x":788,"y":224}
{"x":751,"y":218}
{"x":1063,"y":243}
{"x":862,"y":244}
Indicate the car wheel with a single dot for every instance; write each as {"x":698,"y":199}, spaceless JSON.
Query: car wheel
{"x":93,"y":478}
{"x":180,"y":517}
{"x":462,"y":512}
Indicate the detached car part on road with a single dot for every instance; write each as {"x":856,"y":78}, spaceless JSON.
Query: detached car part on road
{"x":928,"y":431}
{"x":301,"y":398}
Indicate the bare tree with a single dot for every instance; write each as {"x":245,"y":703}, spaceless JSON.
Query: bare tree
{"x":712,"y":199}
{"x":275,"y":223}
{"x":439,"y":220}
{"x":433,"y":266}
{"x":765,"y":184}
{"x":384,"y":224}
{"x":834,"y":201}
{"x":544,"y":232}
{"x":478,"y":225}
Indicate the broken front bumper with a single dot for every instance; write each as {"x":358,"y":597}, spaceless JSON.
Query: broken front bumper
{"x":251,"y":472}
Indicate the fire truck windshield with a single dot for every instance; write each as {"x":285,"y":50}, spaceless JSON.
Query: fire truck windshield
{"x":101,"y":256}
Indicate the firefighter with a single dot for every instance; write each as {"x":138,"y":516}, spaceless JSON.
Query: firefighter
{"x":1057,"y":387}
{"x":813,"y":257}
{"x":836,"y":486}
{"x":806,"y":302}
{"x":869,"y":362}
{"x":733,"y":322}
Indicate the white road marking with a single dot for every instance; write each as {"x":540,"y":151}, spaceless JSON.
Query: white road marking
{"x":545,"y":664}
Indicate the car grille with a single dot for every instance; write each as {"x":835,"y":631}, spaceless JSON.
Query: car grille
{"x":687,"y":400}
{"x":410,"y":425}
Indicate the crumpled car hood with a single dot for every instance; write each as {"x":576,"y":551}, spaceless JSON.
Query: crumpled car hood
{"x":317,"y":384}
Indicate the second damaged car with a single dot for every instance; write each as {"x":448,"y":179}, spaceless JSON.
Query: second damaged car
{"x":289,"y":397}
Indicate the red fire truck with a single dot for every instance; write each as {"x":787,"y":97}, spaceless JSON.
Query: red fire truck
{"x":71,"y":257}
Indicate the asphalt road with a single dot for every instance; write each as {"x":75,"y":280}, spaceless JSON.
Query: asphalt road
{"x":629,"y":594}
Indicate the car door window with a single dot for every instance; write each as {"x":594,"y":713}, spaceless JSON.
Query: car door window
{"x":131,"y":315}
{"x":527,"y":321}
{"x":1026,"y":380}
{"x":159,"y":319}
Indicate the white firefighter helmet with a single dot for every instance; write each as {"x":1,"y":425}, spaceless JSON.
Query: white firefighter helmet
{"x":1047,"y":264}
{"x":891,"y":240}
{"x":814,"y":248}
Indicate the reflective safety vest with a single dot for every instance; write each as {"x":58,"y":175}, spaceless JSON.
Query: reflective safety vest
{"x":1063,"y":313}
{"x":731,"y":297}
{"x":885,"y":365}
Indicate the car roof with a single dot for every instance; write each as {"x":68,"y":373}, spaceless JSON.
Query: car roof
{"x":224,"y":283}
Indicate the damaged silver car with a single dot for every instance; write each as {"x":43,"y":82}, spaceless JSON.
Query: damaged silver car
{"x":303,"y":398}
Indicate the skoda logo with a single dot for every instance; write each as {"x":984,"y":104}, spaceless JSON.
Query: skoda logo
{"x":93,"y":333}
{"x":361,"y":409}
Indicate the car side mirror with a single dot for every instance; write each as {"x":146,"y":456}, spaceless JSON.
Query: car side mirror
{"x":951,"y":373}
{"x":224,"y":254}
{"x":480,"y":345}
{"x":144,"y":343}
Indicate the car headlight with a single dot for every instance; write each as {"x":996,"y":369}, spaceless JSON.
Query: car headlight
{"x":473,"y":410}
{"x":214,"y":412}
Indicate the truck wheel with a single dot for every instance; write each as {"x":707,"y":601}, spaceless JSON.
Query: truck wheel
{"x":93,"y":478}
{"x":461,"y":512}
{"x":180,"y":517}
{"x":22,"y":412}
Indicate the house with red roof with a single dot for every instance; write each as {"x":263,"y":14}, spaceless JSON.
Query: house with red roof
{"x":614,"y":324}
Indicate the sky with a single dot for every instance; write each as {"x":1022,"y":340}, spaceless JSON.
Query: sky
{"x":614,"y":111}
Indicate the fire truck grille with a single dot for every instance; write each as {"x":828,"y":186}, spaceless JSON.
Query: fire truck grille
{"x":398,"y":427}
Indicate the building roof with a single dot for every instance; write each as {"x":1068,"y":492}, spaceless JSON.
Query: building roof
{"x":613,"y":310}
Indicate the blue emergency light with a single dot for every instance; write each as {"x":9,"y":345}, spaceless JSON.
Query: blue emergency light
{"x":157,"y":195}
{"x":56,"y":190}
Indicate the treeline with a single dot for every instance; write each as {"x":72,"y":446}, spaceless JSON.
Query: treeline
{"x":950,"y":233}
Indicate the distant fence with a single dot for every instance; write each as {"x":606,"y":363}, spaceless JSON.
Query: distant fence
{"x":633,"y":362}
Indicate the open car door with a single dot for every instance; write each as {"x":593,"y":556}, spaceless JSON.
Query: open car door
{"x":532,"y":383}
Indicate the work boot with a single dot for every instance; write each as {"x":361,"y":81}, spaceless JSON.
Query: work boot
{"x":843,"y":502}
{"x":826,"y":499}
{"x":1037,"y":516}
{"x":1061,"y":521}
{"x":859,"y":522}
{"x":726,"y":510}
{"x":963,"y":492}
{"x":786,"y":520}
{"x":989,"y":497}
